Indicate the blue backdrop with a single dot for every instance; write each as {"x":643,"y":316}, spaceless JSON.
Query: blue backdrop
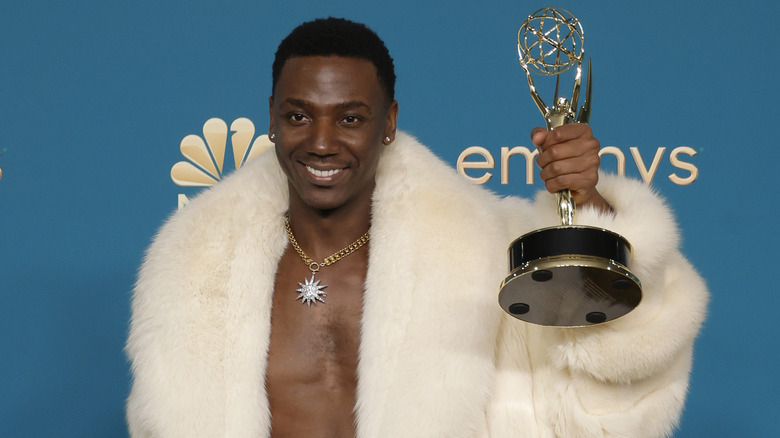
{"x":95,"y":98}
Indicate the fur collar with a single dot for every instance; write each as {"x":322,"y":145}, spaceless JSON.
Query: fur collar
{"x":211,"y":272}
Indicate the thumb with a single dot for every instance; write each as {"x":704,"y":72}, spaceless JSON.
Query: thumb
{"x":538,"y":136}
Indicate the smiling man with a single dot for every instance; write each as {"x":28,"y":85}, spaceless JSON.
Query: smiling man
{"x":329,"y":118}
{"x":346,"y":285}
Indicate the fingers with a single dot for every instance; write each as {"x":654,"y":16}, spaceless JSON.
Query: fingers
{"x":544,"y":139}
{"x":570,"y":156}
{"x":569,"y":159}
{"x":577,"y":182}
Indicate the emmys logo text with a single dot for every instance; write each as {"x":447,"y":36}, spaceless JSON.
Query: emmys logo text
{"x":478,"y":164}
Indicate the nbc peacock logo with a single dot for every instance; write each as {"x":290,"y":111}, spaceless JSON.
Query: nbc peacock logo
{"x":206,"y":155}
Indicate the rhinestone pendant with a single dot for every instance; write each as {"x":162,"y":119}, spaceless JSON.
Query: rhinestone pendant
{"x":311,"y":291}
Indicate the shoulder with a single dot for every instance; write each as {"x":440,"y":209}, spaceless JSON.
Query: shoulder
{"x":426,"y":195}
{"x":255,"y":190}
{"x":411,"y":172}
{"x":203,"y":233}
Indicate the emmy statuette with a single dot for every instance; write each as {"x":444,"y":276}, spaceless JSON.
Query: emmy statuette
{"x":567,"y":275}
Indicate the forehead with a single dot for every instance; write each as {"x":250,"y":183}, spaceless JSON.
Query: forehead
{"x":352,"y":78}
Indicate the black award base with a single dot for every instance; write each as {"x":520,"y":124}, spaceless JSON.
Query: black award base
{"x":569,"y":276}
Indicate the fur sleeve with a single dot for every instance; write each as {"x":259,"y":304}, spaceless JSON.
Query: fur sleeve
{"x":664,"y":325}
{"x":628,"y":377}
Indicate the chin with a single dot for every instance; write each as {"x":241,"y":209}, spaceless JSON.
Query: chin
{"x":332,"y":198}
{"x":320,"y":202}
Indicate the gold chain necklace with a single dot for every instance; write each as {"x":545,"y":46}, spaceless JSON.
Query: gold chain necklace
{"x":311,"y":291}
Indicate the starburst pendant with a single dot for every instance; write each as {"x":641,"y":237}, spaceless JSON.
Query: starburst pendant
{"x":311,"y":291}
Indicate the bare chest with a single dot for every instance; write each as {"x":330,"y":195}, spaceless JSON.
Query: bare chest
{"x":311,"y":378}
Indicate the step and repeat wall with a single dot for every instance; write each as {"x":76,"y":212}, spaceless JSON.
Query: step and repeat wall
{"x":114,"y":114}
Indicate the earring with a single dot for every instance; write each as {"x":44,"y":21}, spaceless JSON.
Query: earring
{"x":273,"y":136}
{"x":387,"y":140}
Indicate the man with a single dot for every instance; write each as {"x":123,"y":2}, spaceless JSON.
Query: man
{"x":346,"y":285}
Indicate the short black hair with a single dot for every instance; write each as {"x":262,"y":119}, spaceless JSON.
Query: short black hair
{"x":337,"y":37}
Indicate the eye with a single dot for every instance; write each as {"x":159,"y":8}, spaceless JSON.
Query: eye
{"x":296,"y":118}
{"x":351,"y":120}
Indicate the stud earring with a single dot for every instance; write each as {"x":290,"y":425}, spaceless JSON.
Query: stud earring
{"x":387,"y":140}
{"x":273,"y":136}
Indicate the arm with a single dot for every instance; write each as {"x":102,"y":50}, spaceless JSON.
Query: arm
{"x":628,"y":377}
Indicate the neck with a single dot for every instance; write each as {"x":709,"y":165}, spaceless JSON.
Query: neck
{"x":320,"y":233}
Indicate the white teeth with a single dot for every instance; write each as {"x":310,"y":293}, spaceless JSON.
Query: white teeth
{"x":322,"y":173}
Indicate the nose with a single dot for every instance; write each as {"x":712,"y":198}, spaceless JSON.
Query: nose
{"x":324,"y":138}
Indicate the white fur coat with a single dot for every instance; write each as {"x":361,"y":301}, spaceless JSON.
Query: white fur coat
{"x":438,"y":357}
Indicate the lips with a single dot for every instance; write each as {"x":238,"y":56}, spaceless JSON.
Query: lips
{"x":322,"y":173}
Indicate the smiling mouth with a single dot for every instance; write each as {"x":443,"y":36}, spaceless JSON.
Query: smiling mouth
{"x":322,"y":173}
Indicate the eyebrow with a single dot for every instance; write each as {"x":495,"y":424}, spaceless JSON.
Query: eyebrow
{"x":350,"y":104}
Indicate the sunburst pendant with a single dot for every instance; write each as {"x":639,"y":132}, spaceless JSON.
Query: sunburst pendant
{"x":311,"y":291}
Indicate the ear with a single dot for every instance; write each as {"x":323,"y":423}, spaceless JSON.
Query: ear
{"x":391,"y":123}
{"x":271,"y":127}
